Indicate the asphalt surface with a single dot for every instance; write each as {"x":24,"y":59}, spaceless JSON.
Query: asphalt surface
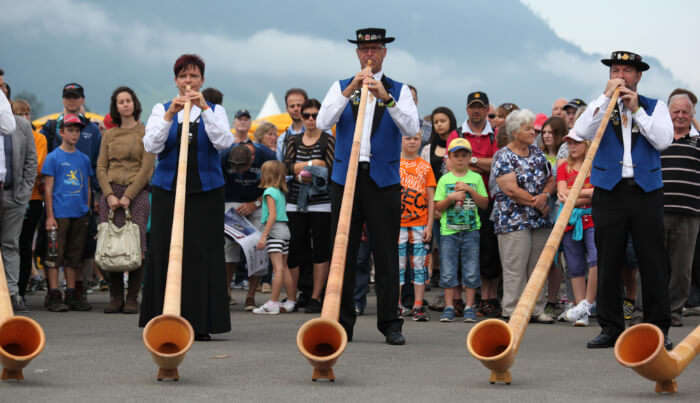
{"x":94,"y":357}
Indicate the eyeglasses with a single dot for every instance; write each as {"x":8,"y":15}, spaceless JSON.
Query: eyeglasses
{"x":309,"y":115}
{"x":492,"y":115}
{"x":372,"y":48}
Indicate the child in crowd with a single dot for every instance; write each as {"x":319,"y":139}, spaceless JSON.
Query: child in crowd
{"x":579,"y":238}
{"x":417,"y":205}
{"x":275,"y":236}
{"x":458,"y":194}
{"x":67,"y":173}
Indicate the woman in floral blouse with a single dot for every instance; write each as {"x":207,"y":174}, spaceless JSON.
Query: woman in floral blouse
{"x":524,"y":182}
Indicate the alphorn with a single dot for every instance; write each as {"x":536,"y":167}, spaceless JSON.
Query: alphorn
{"x":21,"y":338}
{"x":169,"y":336}
{"x":322,"y":340}
{"x":641,"y":347}
{"x":494,"y":342}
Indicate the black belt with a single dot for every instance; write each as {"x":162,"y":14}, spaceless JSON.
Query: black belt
{"x":363,"y":166}
{"x":628,"y":182}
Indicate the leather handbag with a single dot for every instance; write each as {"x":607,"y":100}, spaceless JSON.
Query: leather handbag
{"x":118,"y":248}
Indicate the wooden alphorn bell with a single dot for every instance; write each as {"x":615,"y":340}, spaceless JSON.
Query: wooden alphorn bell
{"x":21,"y":338}
{"x":494,"y":342}
{"x":323,"y":340}
{"x":641,"y":347}
{"x":169,"y":336}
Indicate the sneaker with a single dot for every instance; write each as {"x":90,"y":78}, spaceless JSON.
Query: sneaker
{"x":448,"y":314}
{"x":288,"y":306}
{"x":691,"y":311}
{"x":75,"y":302}
{"x":438,"y":304}
{"x":542,"y":318}
{"x":627,"y":308}
{"x":469,"y":315}
{"x":266,"y":288}
{"x":103,"y":285}
{"x":54,"y":301}
{"x":249,"y":304}
{"x":403,"y":311}
{"x":313,"y":306}
{"x":268,"y":308}
{"x":582,"y":321}
{"x":578,"y":311}
{"x":18,"y":304}
{"x":551,"y":309}
{"x":489,"y":309}
{"x":420,"y":314}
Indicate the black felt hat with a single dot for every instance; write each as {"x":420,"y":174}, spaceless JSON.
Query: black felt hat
{"x":371,"y":35}
{"x":628,"y":58}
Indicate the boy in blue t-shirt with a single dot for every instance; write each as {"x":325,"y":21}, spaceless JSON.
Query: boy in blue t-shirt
{"x":457,"y":196}
{"x":67,"y":173}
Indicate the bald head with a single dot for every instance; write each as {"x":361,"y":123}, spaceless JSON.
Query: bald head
{"x":558,"y":108}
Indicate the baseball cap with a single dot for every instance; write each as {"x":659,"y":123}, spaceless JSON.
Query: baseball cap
{"x":573,"y":136}
{"x":71,"y":119}
{"x":539,"y":121}
{"x":242,"y":112}
{"x":460,"y":144}
{"x":73,"y":90}
{"x":575,"y":103}
{"x":478,"y":96}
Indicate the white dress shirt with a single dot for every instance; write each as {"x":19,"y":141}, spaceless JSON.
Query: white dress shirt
{"x":405,"y":114}
{"x":215,"y":123}
{"x":7,"y":126}
{"x":657,"y":128}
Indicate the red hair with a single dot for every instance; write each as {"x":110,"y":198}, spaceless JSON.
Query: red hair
{"x":188,"y":60}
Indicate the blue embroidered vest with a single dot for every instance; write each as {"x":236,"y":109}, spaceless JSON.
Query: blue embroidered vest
{"x":206,"y":159}
{"x":385,"y":139}
{"x":607,"y":165}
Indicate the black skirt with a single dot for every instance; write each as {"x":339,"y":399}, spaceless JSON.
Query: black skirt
{"x":204,"y":297}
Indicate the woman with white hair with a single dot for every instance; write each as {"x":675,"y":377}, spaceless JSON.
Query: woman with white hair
{"x":524,"y":182}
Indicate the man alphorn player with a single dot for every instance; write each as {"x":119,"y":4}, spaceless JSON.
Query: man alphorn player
{"x":628,"y":195}
{"x":390,"y":113}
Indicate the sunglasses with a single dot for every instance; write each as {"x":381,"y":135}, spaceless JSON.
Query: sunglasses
{"x":309,"y":115}
{"x":492,"y":115}
{"x":508,"y":106}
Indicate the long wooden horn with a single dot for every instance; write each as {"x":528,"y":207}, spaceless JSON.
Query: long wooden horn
{"x":169,"y":336}
{"x":21,"y":338}
{"x":323,"y":340}
{"x":641,"y":347}
{"x":494,"y":342}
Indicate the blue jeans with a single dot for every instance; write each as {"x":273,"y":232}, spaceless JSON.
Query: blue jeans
{"x":462,"y":247}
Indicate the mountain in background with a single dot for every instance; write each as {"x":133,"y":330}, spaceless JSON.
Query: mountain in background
{"x":446,"y":50}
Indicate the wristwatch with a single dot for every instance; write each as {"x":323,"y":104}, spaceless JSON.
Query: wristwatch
{"x":474,"y":160}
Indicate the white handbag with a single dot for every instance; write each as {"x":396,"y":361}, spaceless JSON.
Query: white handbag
{"x":118,"y":249}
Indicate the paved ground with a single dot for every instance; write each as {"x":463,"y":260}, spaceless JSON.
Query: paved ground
{"x":96,"y":357}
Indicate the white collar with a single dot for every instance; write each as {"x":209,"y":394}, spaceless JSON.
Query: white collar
{"x":693,"y":131}
{"x":487,"y":129}
{"x":378,"y":75}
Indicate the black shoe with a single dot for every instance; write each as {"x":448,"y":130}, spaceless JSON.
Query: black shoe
{"x":667,"y":343}
{"x":313,"y":306}
{"x":395,"y":338}
{"x":75,"y":301}
{"x":603,"y":340}
{"x":302,"y":300}
{"x":202,"y":337}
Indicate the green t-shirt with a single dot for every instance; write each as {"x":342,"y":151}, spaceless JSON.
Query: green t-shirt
{"x":458,"y":218}
{"x":280,"y":205}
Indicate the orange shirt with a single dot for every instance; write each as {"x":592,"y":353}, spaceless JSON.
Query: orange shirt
{"x":41,"y":151}
{"x":416,"y":177}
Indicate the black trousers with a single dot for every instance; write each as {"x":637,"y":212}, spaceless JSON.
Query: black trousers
{"x":627,"y":208}
{"x":31,"y":219}
{"x":381,"y":209}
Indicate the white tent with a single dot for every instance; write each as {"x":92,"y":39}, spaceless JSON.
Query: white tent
{"x":269,"y":108}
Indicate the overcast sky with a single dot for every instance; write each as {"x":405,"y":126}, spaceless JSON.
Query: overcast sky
{"x":666,"y":29}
